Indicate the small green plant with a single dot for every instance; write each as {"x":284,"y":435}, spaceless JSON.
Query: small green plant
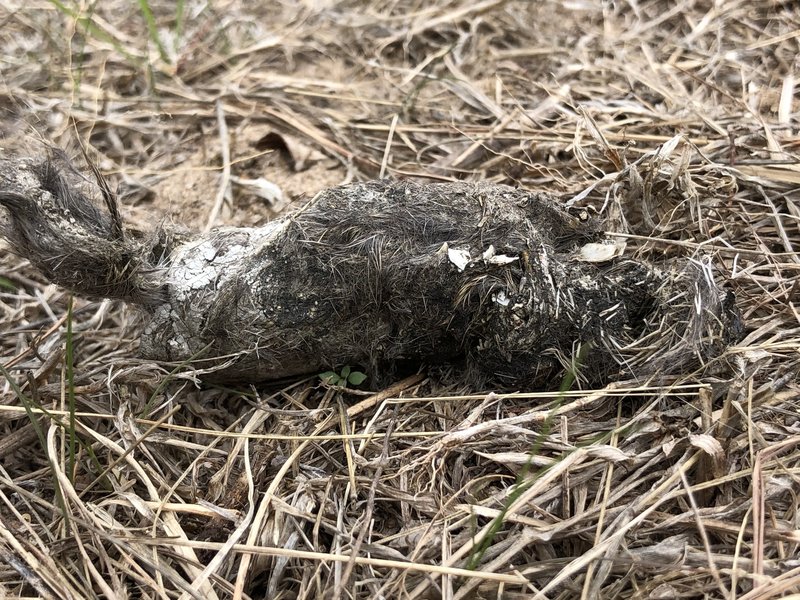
{"x":345,"y":376}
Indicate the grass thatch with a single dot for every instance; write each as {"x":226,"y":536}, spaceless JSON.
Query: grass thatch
{"x":121,"y":479}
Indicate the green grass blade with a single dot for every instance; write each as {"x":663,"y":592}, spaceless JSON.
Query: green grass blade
{"x":152,"y":28}
{"x":180,"y":10}
{"x":91,"y":27}
{"x":523,"y":483}
{"x":70,"y":373}
{"x":29,"y":407}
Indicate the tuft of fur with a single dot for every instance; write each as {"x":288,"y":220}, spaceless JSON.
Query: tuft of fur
{"x":69,"y":239}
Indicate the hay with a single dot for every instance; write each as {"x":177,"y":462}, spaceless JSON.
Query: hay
{"x":674,"y":124}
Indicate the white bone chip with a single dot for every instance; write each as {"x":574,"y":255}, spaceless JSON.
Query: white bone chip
{"x":501,"y":298}
{"x":594,"y":253}
{"x":502,"y":259}
{"x":491,"y":257}
{"x":460,"y":257}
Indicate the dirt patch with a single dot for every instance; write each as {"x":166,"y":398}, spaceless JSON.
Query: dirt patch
{"x":186,"y":195}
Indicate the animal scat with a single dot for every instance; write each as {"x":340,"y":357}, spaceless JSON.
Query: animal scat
{"x":364,"y":275}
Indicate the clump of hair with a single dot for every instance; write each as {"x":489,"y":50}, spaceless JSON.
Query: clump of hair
{"x":66,"y":236}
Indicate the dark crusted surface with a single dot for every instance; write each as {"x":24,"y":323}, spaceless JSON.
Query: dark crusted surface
{"x":382,"y":275}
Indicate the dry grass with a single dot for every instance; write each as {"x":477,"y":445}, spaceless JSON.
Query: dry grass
{"x":680,"y":117}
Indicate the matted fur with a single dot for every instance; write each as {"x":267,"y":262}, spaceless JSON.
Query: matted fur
{"x":382,"y":274}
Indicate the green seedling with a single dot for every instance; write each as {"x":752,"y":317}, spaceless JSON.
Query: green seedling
{"x":345,"y":376}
